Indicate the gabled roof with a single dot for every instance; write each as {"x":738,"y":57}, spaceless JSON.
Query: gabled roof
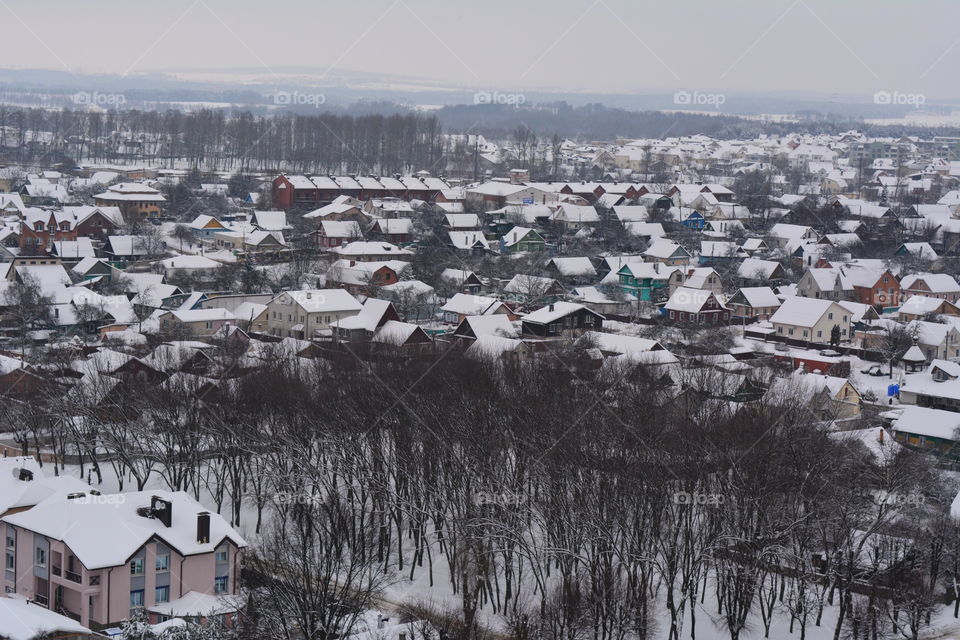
{"x":804,"y":312}
{"x":556,"y":311}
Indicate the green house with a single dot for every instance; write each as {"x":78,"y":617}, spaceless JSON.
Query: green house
{"x":646,"y":280}
{"x":522,"y":239}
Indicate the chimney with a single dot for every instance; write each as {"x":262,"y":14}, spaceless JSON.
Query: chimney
{"x":551,"y":307}
{"x":203,"y":527}
{"x":162,"y":510}
{"x":881,"y":435}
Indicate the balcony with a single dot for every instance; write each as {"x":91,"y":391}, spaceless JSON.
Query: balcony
{"x":94,"y":581}
{"x":55,"y":571}
{"x":43,"y":601}
{"x":74,"y":577}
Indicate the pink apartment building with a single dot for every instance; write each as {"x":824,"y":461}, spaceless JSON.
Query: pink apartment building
{"x":96,"y":558}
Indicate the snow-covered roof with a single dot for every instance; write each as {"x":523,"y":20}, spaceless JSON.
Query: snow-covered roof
{"x":924,"y":421}
{"x":802,"y":312}
{"x":104,"y":531}
{"x":24,"y":620}
{"x":556,"y":311}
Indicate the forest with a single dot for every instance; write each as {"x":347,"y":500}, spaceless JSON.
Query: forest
{"x":518,"y":500}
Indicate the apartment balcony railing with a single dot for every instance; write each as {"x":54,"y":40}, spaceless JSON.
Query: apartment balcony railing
{"x":74,"y":577}
{"x":94,"y":581}
{"x":41,"y":600}
{"x":55,"y":571}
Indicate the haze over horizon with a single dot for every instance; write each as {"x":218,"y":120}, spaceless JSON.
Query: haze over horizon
{"x":596,"y":46}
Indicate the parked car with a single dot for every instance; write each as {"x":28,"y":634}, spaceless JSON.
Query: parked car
{"x":873,"y":370}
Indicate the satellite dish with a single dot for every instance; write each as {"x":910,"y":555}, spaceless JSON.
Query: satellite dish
{"x":16,"y":472}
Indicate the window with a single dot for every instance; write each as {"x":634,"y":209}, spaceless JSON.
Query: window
{"x":819,"y":334}
{"x":10,"y":562}
{"x":136,"y":567}
{"x":163,"y":563}
{"x":11,"y":541}
{"x":830,"y":316}
{"x":222,"y":556}
{"x":162,"y":595}
{"x":41,"y":557}
{"x":136,"y":598}
{"x":220,"y":584}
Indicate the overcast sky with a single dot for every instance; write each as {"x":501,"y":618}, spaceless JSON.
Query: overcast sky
{"x":847,"y":46}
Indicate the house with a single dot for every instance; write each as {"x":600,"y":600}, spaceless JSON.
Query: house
{"x":560,"y":318}
{"x":342,"y":208}
{"x":647,"y":281}
{"x":473,"y":327}
{"x":90,"y":268}
{"x":336,"y":233}
{"x":464,"y":281}
{"x":703,"y":278}
{"x":128,"y":248}
{"x":811,"y":320}
{"x":362,"y":277}
{"x":782,"y":234}
{"x":401,"y":335}
{"x":461,"y":221}
{"x":533,"y":290}
{"x":22,"y":619}
{"x":919,"y":307}
{"x":756,"y":272}
{"x":825,"y":283}
{"x":462,"y":305}
{"x":932,"y":285}
{"x":39,"y":228}
{"x":699,"y":306}
{"x":204,"y":226}
{"x":272,"y":221}
{"x":396,"y":230}
{"x":371,"y":251}
{"x":250,"y":242}
{"x":935,"y":340}
{"x":195,"y":322}
{"x":522,"y":239}
{"x":99,"y":556}
{"x":494,"y":349}
{"x":572,"y":268}
{"x":573,"y":217}
{"x":495,"y":195}
{"x":305,"y":314}
{"x":717,"y":251}
{"x":198,"y":267}
{"x":473,"y":241}
{"x":754,"y":303}
{"x":602,"y":302}
{"x":933,"y":430}
{"x":361,"y":327}
{"x":136,"y":201}
{"x":667,"y":252}
{"x":879,"y":288}
{"x":827,"y":397}
{"x":414,"y":299}
{"x":919,"y":250}
{"x":23,"y":484}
